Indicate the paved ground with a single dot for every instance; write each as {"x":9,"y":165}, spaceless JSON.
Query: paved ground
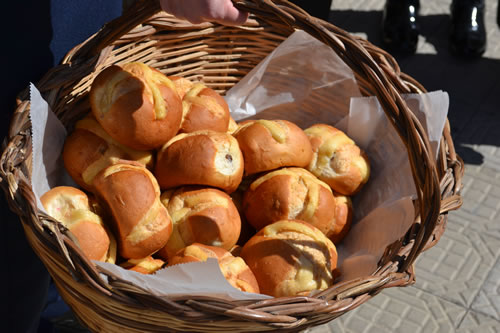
{"x":458,"y":280}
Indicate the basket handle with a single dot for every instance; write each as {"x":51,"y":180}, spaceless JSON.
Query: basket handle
{"x":137,"y":13}
{"x":141,"y":10}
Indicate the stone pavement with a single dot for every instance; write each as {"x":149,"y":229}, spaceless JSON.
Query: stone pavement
{"x":457,"y":285}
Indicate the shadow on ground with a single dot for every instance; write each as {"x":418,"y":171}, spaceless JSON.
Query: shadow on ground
{"x":473,"y":85}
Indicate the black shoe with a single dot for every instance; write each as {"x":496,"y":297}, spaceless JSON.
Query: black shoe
{"x":468,"y":34}
{"x":498,"y":14}
{"x":400,"y":28}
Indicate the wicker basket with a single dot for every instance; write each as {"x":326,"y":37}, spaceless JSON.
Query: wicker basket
{"x":202,"y":52}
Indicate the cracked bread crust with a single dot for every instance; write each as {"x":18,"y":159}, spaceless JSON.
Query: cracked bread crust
{"x":200,"y":158}
{"x":290,"y":258}
{"x":137,"y":105}
{"x":294,"y":193}
{"x":272,"y":144}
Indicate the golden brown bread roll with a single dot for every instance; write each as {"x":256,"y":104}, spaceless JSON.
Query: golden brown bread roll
{"x":234,"y":269}
{"x":137,"y":105}
{"x":89,"y":149}
{"x":86,"y":154}
{"x":200,"y":215}
{"x":132,"y":196}
{"x":148,"y":265}
{"x":294,"y":193}
{"x":70,"y":206}
{"x":204,"y":109}
{"x":290,"y":258}
{"x":337,"y":160}
{"x":272,"y":144}
{"x":89,"y":123}
{"x":200,"y":158}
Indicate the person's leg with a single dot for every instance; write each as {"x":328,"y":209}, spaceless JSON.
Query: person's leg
{"x":468,"y":33}
{"x":400,"y":27}
{"x":54,"y":28}
{"x":28,"y":280}
{"x":316,"y":8}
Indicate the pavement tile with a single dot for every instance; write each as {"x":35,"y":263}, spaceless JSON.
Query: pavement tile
{"x":457,"y":266}
{"x":488,"y":299}
{"x":475,"y":322}
{"x":405,"y":309}
{"x":493,"y":49}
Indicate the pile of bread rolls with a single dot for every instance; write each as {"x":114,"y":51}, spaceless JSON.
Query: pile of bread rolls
{"x":167,"y":176}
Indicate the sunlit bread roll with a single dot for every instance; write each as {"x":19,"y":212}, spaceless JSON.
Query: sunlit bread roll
{"x":204,"y":109}
{"x":337,"y":160}
{"x":89,"y":149}
{"x":271,"y":144}
{"x":290,"y":258}
{"x":294,"y":193}
{"x":70,"y":206}
{"x":200,"y":215}
{"x":86,"y":154}
{"x":200,"y":158}
{"x":137,"y":105}
{"x":148,"y":265}
{"x":132,"y":196}
{"x":89,"y":123}
{"x":234,"y":269}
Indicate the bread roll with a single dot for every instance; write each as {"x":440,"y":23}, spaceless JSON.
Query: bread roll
{"x":137,"y":105}
{"x":200,"y":215}
{"x":234,"y":269}
{"x":204,"y":109}
{"x":200,"y":158}
{"x":294,"y":193}
{"x":89,"y":149}
{"x":271,"y":144}
{"x":86,"y":154}
{"x":89,"y":123}
{"x":131,"y":194}
{"x":290,"y":258}
{"x":337,"y":160}
{"x":70,"y":206}
{"x":148,"y":265}
{"x":343,"y":218}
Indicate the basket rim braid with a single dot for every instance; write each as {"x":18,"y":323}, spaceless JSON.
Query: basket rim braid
{"x":145,"y":33}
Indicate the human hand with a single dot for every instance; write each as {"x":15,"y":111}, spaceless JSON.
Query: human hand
{"x":197,"y":11}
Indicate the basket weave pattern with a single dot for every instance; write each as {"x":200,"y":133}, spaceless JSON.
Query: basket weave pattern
{"x":220,"y":56}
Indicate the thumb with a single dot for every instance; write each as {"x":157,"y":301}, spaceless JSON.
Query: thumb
{"x":233,"y":16}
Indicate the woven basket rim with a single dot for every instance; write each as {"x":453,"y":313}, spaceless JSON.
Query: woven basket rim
{"x":438,"y":185}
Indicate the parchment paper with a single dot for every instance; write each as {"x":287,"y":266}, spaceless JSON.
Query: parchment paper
{"x":291,"y":83}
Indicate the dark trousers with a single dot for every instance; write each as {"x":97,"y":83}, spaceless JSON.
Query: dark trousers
{"x":38,"y":34}
{"x":316,"y":8}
